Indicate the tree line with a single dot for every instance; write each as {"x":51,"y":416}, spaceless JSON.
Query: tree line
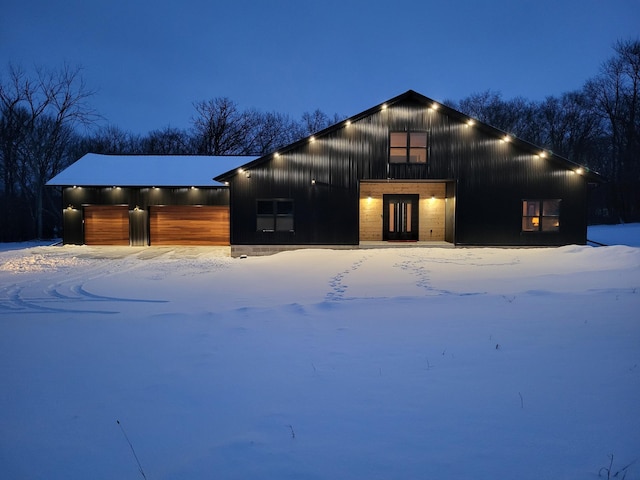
{"x":47,"y":122}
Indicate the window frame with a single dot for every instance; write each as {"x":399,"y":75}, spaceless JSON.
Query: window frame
{"x":539,"y":215}
{"x":407,"y":148}
{"x":278,"y":217}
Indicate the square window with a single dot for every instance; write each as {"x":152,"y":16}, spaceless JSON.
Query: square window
{"x":541,"y":215}
{"x":408,"y":147}
{"x":274,"y":215}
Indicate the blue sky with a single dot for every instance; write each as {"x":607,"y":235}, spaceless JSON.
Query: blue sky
{"x":149,"y":60}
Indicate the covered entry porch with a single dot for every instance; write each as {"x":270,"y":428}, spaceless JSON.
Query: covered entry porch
{"x":402,"y":211}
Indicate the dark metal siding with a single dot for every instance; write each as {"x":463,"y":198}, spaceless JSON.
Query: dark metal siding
{"x":135,"y":197}
{"x":492,"y":178}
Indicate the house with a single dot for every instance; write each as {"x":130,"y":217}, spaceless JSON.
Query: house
{"x":407,"y":170}
{"x":145,"y":200}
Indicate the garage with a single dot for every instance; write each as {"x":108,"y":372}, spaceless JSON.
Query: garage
{"x":189,"y":225}
{"x":106,"y":225}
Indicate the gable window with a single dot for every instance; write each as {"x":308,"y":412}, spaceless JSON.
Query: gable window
{"x":541,"y":215}
{"x":408,"y":147}
{"x":274,"y":215}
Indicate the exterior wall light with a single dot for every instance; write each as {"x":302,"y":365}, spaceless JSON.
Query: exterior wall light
{"x":313,"y":181}
{"x":470,"y":123}
{"x":434,"y":106}
{"x":312,"y":139}
{"x":580,"y":171}
{"x":384,"y":106}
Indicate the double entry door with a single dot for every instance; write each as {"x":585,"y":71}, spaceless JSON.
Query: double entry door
{"x":400,"y":217}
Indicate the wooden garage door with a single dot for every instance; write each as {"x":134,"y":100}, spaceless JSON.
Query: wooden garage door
{"x":106,"y":225}
{"x":189,"y":225}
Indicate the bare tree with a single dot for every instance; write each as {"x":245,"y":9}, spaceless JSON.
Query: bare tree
{"x":516,"y":116}
{"x":219,"y":128}
{"x":110,"y":140}
{"x":615,"y":92}
{"x":315,"y":121}
{"x":271,"y":131}
{"x":570,"y":127}
{"x":168,"y":141}
{"x":38,"y":114}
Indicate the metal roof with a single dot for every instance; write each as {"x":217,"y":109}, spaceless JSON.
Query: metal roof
{"x":147,"y":170}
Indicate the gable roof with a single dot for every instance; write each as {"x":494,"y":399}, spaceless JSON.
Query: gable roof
{"x":146,"y":170}
{"x":411,"y":95}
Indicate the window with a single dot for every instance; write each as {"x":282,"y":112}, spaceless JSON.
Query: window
{"x":408,"y":147}
{"x":274,"y":215}
{"x":541,"y":215}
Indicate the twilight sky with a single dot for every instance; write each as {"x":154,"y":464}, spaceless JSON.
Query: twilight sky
{"x":149,"y":60}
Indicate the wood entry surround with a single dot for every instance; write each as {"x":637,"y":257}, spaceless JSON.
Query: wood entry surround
{"x":431,"y":207}
{"x":106,"y":225}
{"x":189,"y":225}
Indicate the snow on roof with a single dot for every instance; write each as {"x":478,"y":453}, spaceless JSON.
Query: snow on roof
{"x":147,"y":170}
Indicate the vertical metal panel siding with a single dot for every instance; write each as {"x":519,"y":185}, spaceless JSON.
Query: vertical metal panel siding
{"x":492,"y":179}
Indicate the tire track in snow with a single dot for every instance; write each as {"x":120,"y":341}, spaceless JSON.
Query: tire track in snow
{"x":64,"y":296}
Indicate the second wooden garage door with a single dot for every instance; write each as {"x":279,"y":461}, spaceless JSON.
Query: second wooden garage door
{"x":189,"y":225}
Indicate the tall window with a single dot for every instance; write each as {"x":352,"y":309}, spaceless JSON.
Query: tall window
{"x":408,"y":147}
{"x":274,"y":215}
{"x":541,"y":215}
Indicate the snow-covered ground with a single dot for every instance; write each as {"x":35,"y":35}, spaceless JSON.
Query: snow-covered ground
{"x":465,"y":363}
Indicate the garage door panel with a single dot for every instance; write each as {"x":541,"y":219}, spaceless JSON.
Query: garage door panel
{"x":189,"y":225}
{"x":106,"y":225}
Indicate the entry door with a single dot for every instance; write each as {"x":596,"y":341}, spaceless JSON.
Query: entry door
{"x":400,"y":217}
